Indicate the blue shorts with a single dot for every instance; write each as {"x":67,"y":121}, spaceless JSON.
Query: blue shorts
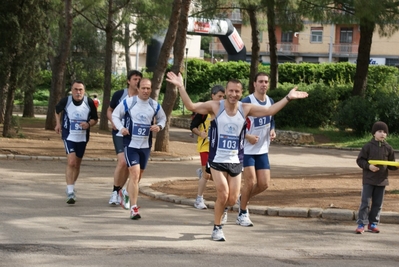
{"x":134,"y":156}
{"x":78,"y":148}
{"x":260,"y":162}
{"x":118,"y":144}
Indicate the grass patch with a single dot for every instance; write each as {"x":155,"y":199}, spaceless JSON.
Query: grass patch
{"x":395,"y":191}
{"x":346,"y":138}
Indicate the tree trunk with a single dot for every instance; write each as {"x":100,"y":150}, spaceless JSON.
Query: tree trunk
{"x":58,"y":68}
{"x":167,"y":45}
{"x":271,"y":29}
{"x":109,"y":48}
{"x":255,"y":46}
{"x":126,"y":44}
{"x":162,"y":140}
{"x":12,"y":87}
{"x":28,"y":111}
{"x":3,"y":95}
{"x":363,"y":57}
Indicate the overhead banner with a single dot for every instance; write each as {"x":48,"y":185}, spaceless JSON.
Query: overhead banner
{"x":208,"y":27}
{"x":236,"y":40}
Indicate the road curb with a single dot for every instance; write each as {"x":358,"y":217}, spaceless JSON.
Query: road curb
{"x":295,"y":212}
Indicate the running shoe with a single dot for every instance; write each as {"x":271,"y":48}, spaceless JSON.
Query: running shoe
{"x":217,"y":234}
{"x":199,"y":173}
{"x":238,"y":202}
{"x":373,"y":228}
{"x":224,"y":217}
{"x":199,"y":204}
{"x":71,"y":198}
{"x":114,"y":199}
{"x":360,"y":229}
{"x":124,"y":199}
{"x":134,"y":213}
{"x":244,"y":220}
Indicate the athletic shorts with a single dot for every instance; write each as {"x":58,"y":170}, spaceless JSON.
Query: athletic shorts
{"x":134,"y":156}
{"x":260,"y":162}
{"x":232,"y":169}
{"x":118,"y":144}
{"x":204,"y":158}
{"x":78,"y":148}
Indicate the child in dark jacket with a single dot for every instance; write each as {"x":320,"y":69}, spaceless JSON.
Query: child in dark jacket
{"x":375,"y":178}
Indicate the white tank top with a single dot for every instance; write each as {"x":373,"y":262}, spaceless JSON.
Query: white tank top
{"x":229,"y":129}
{"x":77,"y":115}
{"x":259,"y":126}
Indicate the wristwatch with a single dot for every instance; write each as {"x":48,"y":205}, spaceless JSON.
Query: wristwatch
{"x":160,"y":127}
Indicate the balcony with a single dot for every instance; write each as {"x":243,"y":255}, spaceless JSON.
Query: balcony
{"x":345,"y":50}
{"x":284,"y":48}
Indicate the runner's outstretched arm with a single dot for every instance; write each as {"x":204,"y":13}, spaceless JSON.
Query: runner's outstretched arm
{"x":200,"y":107}
{"x":258,"y":111}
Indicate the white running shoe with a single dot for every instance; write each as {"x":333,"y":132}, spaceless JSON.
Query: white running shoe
{"x":238,"y":202}
{"x":224,"y":217}
{"x":217,"y":235}
{"x":114,"y":199}
{"x":134,"y":213}
{"x":199,"y":204}
{"x":71,"y":198}
{"x":124,"y":199}
{"x":244,"y":220}
{"x":199,"y":173}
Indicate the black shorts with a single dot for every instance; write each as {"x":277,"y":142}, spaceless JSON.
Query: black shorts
{"x":232,"y":169}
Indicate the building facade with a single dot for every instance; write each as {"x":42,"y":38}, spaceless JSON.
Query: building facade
{"x":318,"y":43}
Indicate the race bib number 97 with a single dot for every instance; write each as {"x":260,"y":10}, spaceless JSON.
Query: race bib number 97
{"x":261,"y":121}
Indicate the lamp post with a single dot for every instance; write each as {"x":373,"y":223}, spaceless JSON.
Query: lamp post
{"x":137,"y":55}
{"x":212,"y":50}
{"x":185,"y":80}
{"x":330,"y":48}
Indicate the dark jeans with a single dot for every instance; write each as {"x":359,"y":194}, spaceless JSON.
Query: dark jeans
{"x":373,"y":195}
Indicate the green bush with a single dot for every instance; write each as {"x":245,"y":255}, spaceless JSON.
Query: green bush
{"x":387,"y":109}
{"x":330,"y":101}
{"x":315,"y":111}
{"x":356,"y":113}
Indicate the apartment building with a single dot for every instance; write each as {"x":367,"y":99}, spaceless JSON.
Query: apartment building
{"x":317,"y":43}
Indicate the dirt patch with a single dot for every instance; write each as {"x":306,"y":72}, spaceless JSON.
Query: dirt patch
{"x":341,"y":192}
{"x":34,"y":140}
{"x":324,"y":191}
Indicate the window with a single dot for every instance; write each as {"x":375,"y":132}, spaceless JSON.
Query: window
{"x":286,"y":37}
{"x":310,"y":59}
{"x":316,"y":35}
{"x":392,"y":62}
{"x":236,"y":15}
{"x":346,"y":35}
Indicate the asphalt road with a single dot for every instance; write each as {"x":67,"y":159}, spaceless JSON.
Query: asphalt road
{"x":39,"y":229}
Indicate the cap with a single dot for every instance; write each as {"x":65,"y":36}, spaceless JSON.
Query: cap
{"x":379,"y":125}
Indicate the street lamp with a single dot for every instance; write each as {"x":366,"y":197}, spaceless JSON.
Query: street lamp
{"x":212,"y":50}
{"x":185,"y":80}
{"x":330,"y":48}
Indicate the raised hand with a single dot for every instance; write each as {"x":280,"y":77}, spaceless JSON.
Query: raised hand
{"x":294,"y":94}
{"x":177,"y":80}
